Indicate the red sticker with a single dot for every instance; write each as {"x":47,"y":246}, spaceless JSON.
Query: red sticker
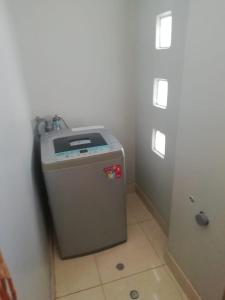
{"x":114,"y":171}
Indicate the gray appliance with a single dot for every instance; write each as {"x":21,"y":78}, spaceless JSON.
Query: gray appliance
{"x":84,"y":172}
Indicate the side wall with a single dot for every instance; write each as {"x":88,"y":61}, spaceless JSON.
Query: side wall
{"x":22,"y":234}
{"x":77,"y":59}
{"x":200,"y":163}
{"x":153,"y":174}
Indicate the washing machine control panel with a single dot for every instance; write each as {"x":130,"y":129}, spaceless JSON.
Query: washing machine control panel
{"x":84,"y":152}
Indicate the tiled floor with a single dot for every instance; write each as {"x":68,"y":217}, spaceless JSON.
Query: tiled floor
{"x":95,"y":277}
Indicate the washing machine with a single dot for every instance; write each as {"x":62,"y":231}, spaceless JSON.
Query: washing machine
{"x":84,"y":172}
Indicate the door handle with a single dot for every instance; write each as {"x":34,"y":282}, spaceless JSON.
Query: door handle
{"x":202,"y":219}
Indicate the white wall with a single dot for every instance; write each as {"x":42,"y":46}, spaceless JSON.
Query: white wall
{"x":153,"y":174}
{"x":200,"y":163}
{"x":77,"y":58}
{"x":22,"y":235}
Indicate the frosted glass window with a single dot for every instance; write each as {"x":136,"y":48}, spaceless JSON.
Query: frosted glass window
{"x":160,"y":93}
{"x":159,"y":143}
{"x":164,"y":30}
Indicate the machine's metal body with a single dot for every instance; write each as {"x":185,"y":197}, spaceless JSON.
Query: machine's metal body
{"x":85,"y":178}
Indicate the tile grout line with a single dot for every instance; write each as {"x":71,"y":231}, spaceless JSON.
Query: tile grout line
{"x":98,"y":271}
{"x":111,"y":281}
{"x":134,"y":274}
{"x":145,"y":221}
{"x":148,"y":239}
{"x":103,"y":291}
{"x":77,"y":292}
{"x":102,"y":284}
{"x":151,"y":243}
{"x":100,"y":278}
{"x":178,"y":287}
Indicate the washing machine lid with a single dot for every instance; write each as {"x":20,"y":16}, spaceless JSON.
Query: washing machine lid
{"x":80,"y":142}
{"x":68,"y":148}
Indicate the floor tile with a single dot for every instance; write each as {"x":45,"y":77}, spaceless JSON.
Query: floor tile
{"x":137,"y":255}
{"x":136,"y":210}
{"x":153,"y":284}
{"x":76,"y":274}
{"x":91,"y":294}
{"x":176,"y":283}
{"x":142,"y":256}
{"x":130,"y":217}
{"x":156,"y":236}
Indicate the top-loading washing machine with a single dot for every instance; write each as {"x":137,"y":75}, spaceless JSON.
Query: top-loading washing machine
{"x":84,"y":172}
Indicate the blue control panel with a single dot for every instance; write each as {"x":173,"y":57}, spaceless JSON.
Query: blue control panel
{"x":79,"y":153}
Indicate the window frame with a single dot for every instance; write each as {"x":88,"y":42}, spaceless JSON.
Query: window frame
{"x":158,"y":27}
{"x":154,"y":132}
{"x":155,"y":92}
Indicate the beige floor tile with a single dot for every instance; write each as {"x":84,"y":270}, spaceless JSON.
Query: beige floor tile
{"x":153,"y":284}
{"x":91,"y":294}
{"x":156,"y":236}
{"x":137,"y":255}
{"x":76,"y":274}
{"x":130,"y":217}
{"x":136,"y":210}
{"x":176,"y":283}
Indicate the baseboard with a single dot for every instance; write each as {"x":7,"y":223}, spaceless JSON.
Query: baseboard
{"x":182,"y":279}
{"x":151,"y":206}
{"x":130,"y":188}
